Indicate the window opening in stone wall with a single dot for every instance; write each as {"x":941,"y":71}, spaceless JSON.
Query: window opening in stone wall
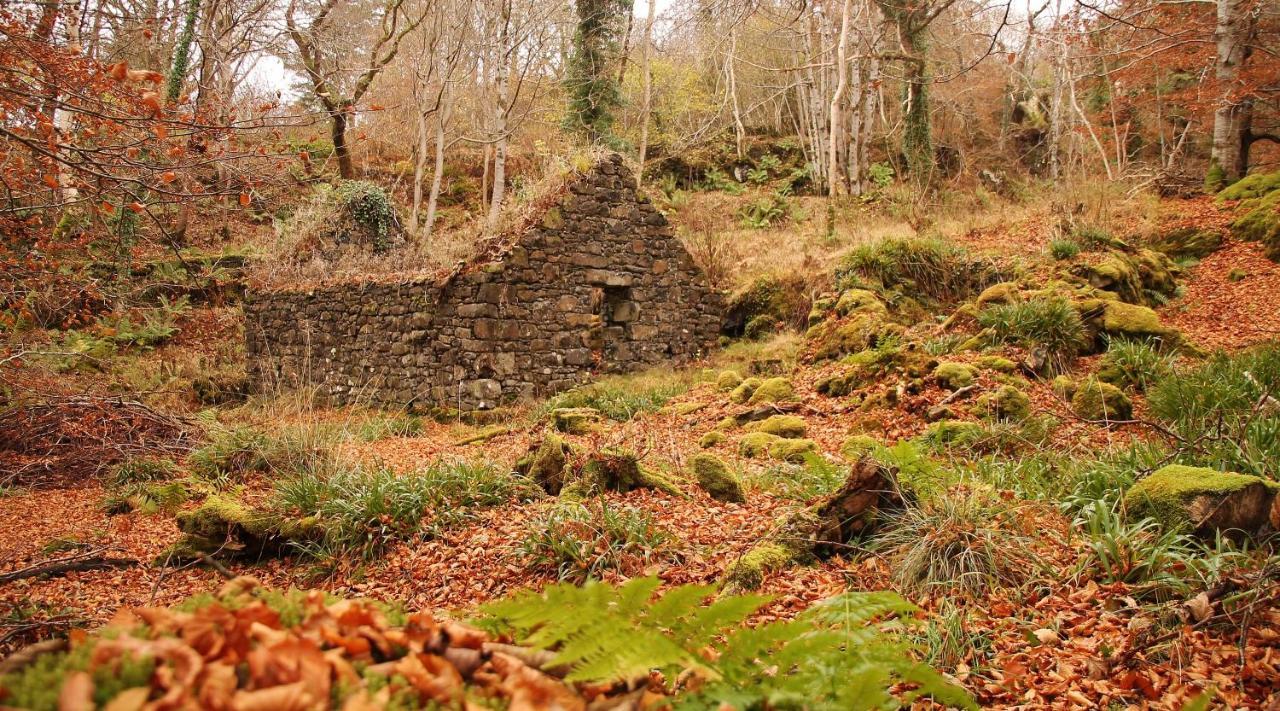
{"x":616,"y":306}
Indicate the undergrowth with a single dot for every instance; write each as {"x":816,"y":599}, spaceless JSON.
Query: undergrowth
{"x":1049,"y":324}
{"x":582,"y":540}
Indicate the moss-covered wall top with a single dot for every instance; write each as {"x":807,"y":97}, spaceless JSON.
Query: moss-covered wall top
{"x":600,"y":284}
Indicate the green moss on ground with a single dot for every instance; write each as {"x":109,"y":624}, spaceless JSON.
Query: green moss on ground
{"x":953,"y":433}
{"x":787,"y":426}
{"x":772,"y":390}
{"x":1096,"y":400}
{"x":711,"y":439}
{"x":576,"y":420}
{"x":749,"y":571}
{"x":727,"y":380}
{"x":996,"y":363}
{"x":715,"y":477}
{"x":954,"y":376}
{"x":744,"y":390}
{"x":858,"y":446}
{"x":756,"y":444}
{"x":1252,"y":186}
{"x":1005,"y":403}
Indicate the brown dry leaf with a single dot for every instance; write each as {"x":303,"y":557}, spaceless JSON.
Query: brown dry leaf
{"x":1200,"y":607}
{"x":76,"y":693}
{"x":288,"y":697}
{"x":129,"y":699}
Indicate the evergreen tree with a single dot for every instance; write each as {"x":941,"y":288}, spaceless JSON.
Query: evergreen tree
{"x":592,"y":86}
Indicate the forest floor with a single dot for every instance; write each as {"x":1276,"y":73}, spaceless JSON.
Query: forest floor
{"x":1059,"y":639}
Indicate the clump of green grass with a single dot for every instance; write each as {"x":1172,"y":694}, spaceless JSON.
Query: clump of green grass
{"x":815,"y":477}
{"x":1064,"y":249}
{"x":1138,"y":553}
{"x":360,"y":510}
{"x":927,"y":266}
{"x":234,"y":453}
{"x":623,"y":397}
{"x":963,"y":545}
{"x":581,"y":540}
{"x":1051,"y":324}
{"x":382,"y":426}
{"x":1226,"y":405}
{"x":1134,"y":364}
{"x":136,"y":470}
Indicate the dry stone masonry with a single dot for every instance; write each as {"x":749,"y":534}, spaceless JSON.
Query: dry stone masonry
{"x":598,"y":284}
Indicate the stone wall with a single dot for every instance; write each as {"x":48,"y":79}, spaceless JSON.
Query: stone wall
{"x":600,"y":284}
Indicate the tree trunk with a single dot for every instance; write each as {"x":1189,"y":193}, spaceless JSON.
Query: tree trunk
{"x":338,"y":132}
{"x":500,"y":119}
{"x":1232,"y":119}
{"x":648,"y":91}
{"x":437,"y":177}
{"x":739,"y":131}
{"x":842,"y":84}
{"x":419,"y":168}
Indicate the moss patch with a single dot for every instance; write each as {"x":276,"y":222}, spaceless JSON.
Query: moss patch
{"x":787,"y":426}
{"x":727,"y":380}
{"x":1195,"y":497}
{"x":711,"y":439}
{"x":715,"y":477}
{"x":744,"y":390}
{"x":576,"y":420}
{"x":1005,"y":403}
{"x":954,"y":376}
{"x":772,"y":390}
{"x":858,"y":446}
{"x":749,"y":571}
{"x":1096,"y":400}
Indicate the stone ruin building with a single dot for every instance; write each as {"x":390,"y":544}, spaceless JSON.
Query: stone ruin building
{"x":597,"y":283}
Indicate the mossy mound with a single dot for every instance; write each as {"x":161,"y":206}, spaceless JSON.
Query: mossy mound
{"x":1005,"y":403}
{"x":711,"y":439}
{"x":954,"y":376}
{"x":786,"y":426}
{"x":858,"y":332}
{"x":621,"y":471}
{"x":1064,"y":387}
{"x":576,"y":420}
{"x":1252,"y":186}
{"x":1001,"y":293}
{"x":760,"y":445}
{"x":1123,"y":320}
{"x":1136,"y":277}
{"x":761,"y":327}
{"x":839,"y":384}
{"x":772,"y":390}
{"x":715,"y":477}
{"x":999,"y":364}
{"x":547,"y":463}
{"x":749,"y":571}
{"x":229,"y":528}
{"x":1260,"y":222}
{"x":858,"y":446}
{"x":1188,"y":242}
{"x":744,"y":390}
{"x":1096,"y":400}
{"x":727,"y":380}
{"x":1205,"y":500}
{"x":953,"y":433}
{"x":785,"y":298}
{"x":863,"y":301}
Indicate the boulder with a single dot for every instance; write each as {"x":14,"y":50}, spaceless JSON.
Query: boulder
{"x":743,"y":392}
{"x":1002,"y":293}
{"x":760,"y":327}
{"x":576,"y":420}
{"x":1097,"y":401}
{"x":772,"y":390}
{"x":715,"y":477}
{"x":1206,"y":501}
{"x":954,"y":376}
{"x":711,"y":439}
{"x":786,"y":426}
{"x":1119,"y":319}
{"x":727,"y":380}
{"x":756,"y":444}
{"x":1005,"y":403}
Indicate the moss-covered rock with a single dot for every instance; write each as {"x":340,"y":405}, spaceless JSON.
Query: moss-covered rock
{"x":711,"y":439}
{"x":999,"y":364}
{"x":792,"y":450}
{"x":1064,"y":387}
{"x":953,"y":433}
{"x":858,"y":446}
{"x":839,"y":384}
{"x":1001,"y":293}
{"x":1119,"y":319}
{"x":833,"y":339}
{"x":772,"y":390}
{"x":1252,"y":186}
{"x":576,"y":420}
{"x":965,"y":317}
{"x":954,"y":376}
{"x":749,"y":571}
{"x":1260,"y":222}
{"x":1205,"y":500}
{"x":786,"y":426}
{"x":756,"y":444}
{"x":1096,"y":400}
{"x":761,"y":327}
{"x":860,"y":301}
{"x":715,"y":477}
{"x":727,"y":380}
{"x":783,"y":297}
{"x":1005,"y":403}
{"x":743,"y":392}
{"x":1194,"y":242}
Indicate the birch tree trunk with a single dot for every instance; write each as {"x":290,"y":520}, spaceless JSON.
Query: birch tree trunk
{"x":842,"y":85}
{"x":501,"y":109}
{"x":739,"y":131}
{"x":437,"y":176}
{"x":647,"y":107}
